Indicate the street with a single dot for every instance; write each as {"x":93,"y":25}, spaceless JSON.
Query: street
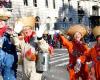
{"x":57,"y":66}
{"x":57,"y":71}
{"x":34,"y":27}
{"x":60,"y":58}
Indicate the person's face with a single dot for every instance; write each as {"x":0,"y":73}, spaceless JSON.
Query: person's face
{"x":27,"y":31}
{"x":77,"y":36}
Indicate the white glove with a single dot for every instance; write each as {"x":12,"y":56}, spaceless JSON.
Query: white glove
{"x":40,"y":31}
{"x":18,"y":27}
{"x":77,"y":66}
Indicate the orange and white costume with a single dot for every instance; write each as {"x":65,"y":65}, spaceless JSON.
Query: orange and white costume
{"x":76,"y":50}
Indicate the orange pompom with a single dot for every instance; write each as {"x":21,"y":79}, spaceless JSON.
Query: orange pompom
{"x":30,"y":56}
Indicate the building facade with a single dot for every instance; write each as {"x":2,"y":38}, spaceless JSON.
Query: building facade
{"x":47,"y":11}
{"x":85,"y":11}
{"x":56,"y":11}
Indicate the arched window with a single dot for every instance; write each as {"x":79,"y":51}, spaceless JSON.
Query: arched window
{"x":46,"y":3}
{"x":26,"y":2}
{"x":54,"y":4}
{"x":35,"y":3}
{"x":48,"y":23}
{"x":81,"y":13}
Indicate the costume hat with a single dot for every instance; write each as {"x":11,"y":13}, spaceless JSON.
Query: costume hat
{"x":76,"y":28}
{"x":96,"y":31}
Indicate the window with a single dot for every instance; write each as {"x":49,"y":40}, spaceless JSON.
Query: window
{"x":63,"y":2}
{"x":37,"y":18}
{"x":81,"y":13}
{"x":35,"y":3}
{"x":46,"y":3}
{"x":48,"y":23}
{"x":54,"y":6}
{"x":25,"y":2}
{"x":95,"y":10}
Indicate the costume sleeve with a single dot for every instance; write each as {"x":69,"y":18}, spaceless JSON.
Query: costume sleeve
{"x":86,"y":56}
{"x":92,"y":54}
{"x":65,"y":41}
{"x":86,"y":50}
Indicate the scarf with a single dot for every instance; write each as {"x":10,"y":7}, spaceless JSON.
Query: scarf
{"x":27,"y":38}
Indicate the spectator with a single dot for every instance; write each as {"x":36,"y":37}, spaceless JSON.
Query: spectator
{"x":9,"y":61}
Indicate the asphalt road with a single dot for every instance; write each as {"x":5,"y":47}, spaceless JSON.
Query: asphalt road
{"x":58,"y":64}
{"x":57,"y":67}
{"x":57,"y":70}
{"x":56,"y":73}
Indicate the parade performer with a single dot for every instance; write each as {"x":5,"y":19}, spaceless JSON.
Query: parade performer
{"x":94,"y":53}
{"x":77,"y":67}
{"x":27,"y":42}
{"x":44,"y":50}
{"x":45,"y":47}
{"x":8,"y":50}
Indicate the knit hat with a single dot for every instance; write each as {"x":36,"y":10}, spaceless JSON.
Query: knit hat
{"x":18,"y":27}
